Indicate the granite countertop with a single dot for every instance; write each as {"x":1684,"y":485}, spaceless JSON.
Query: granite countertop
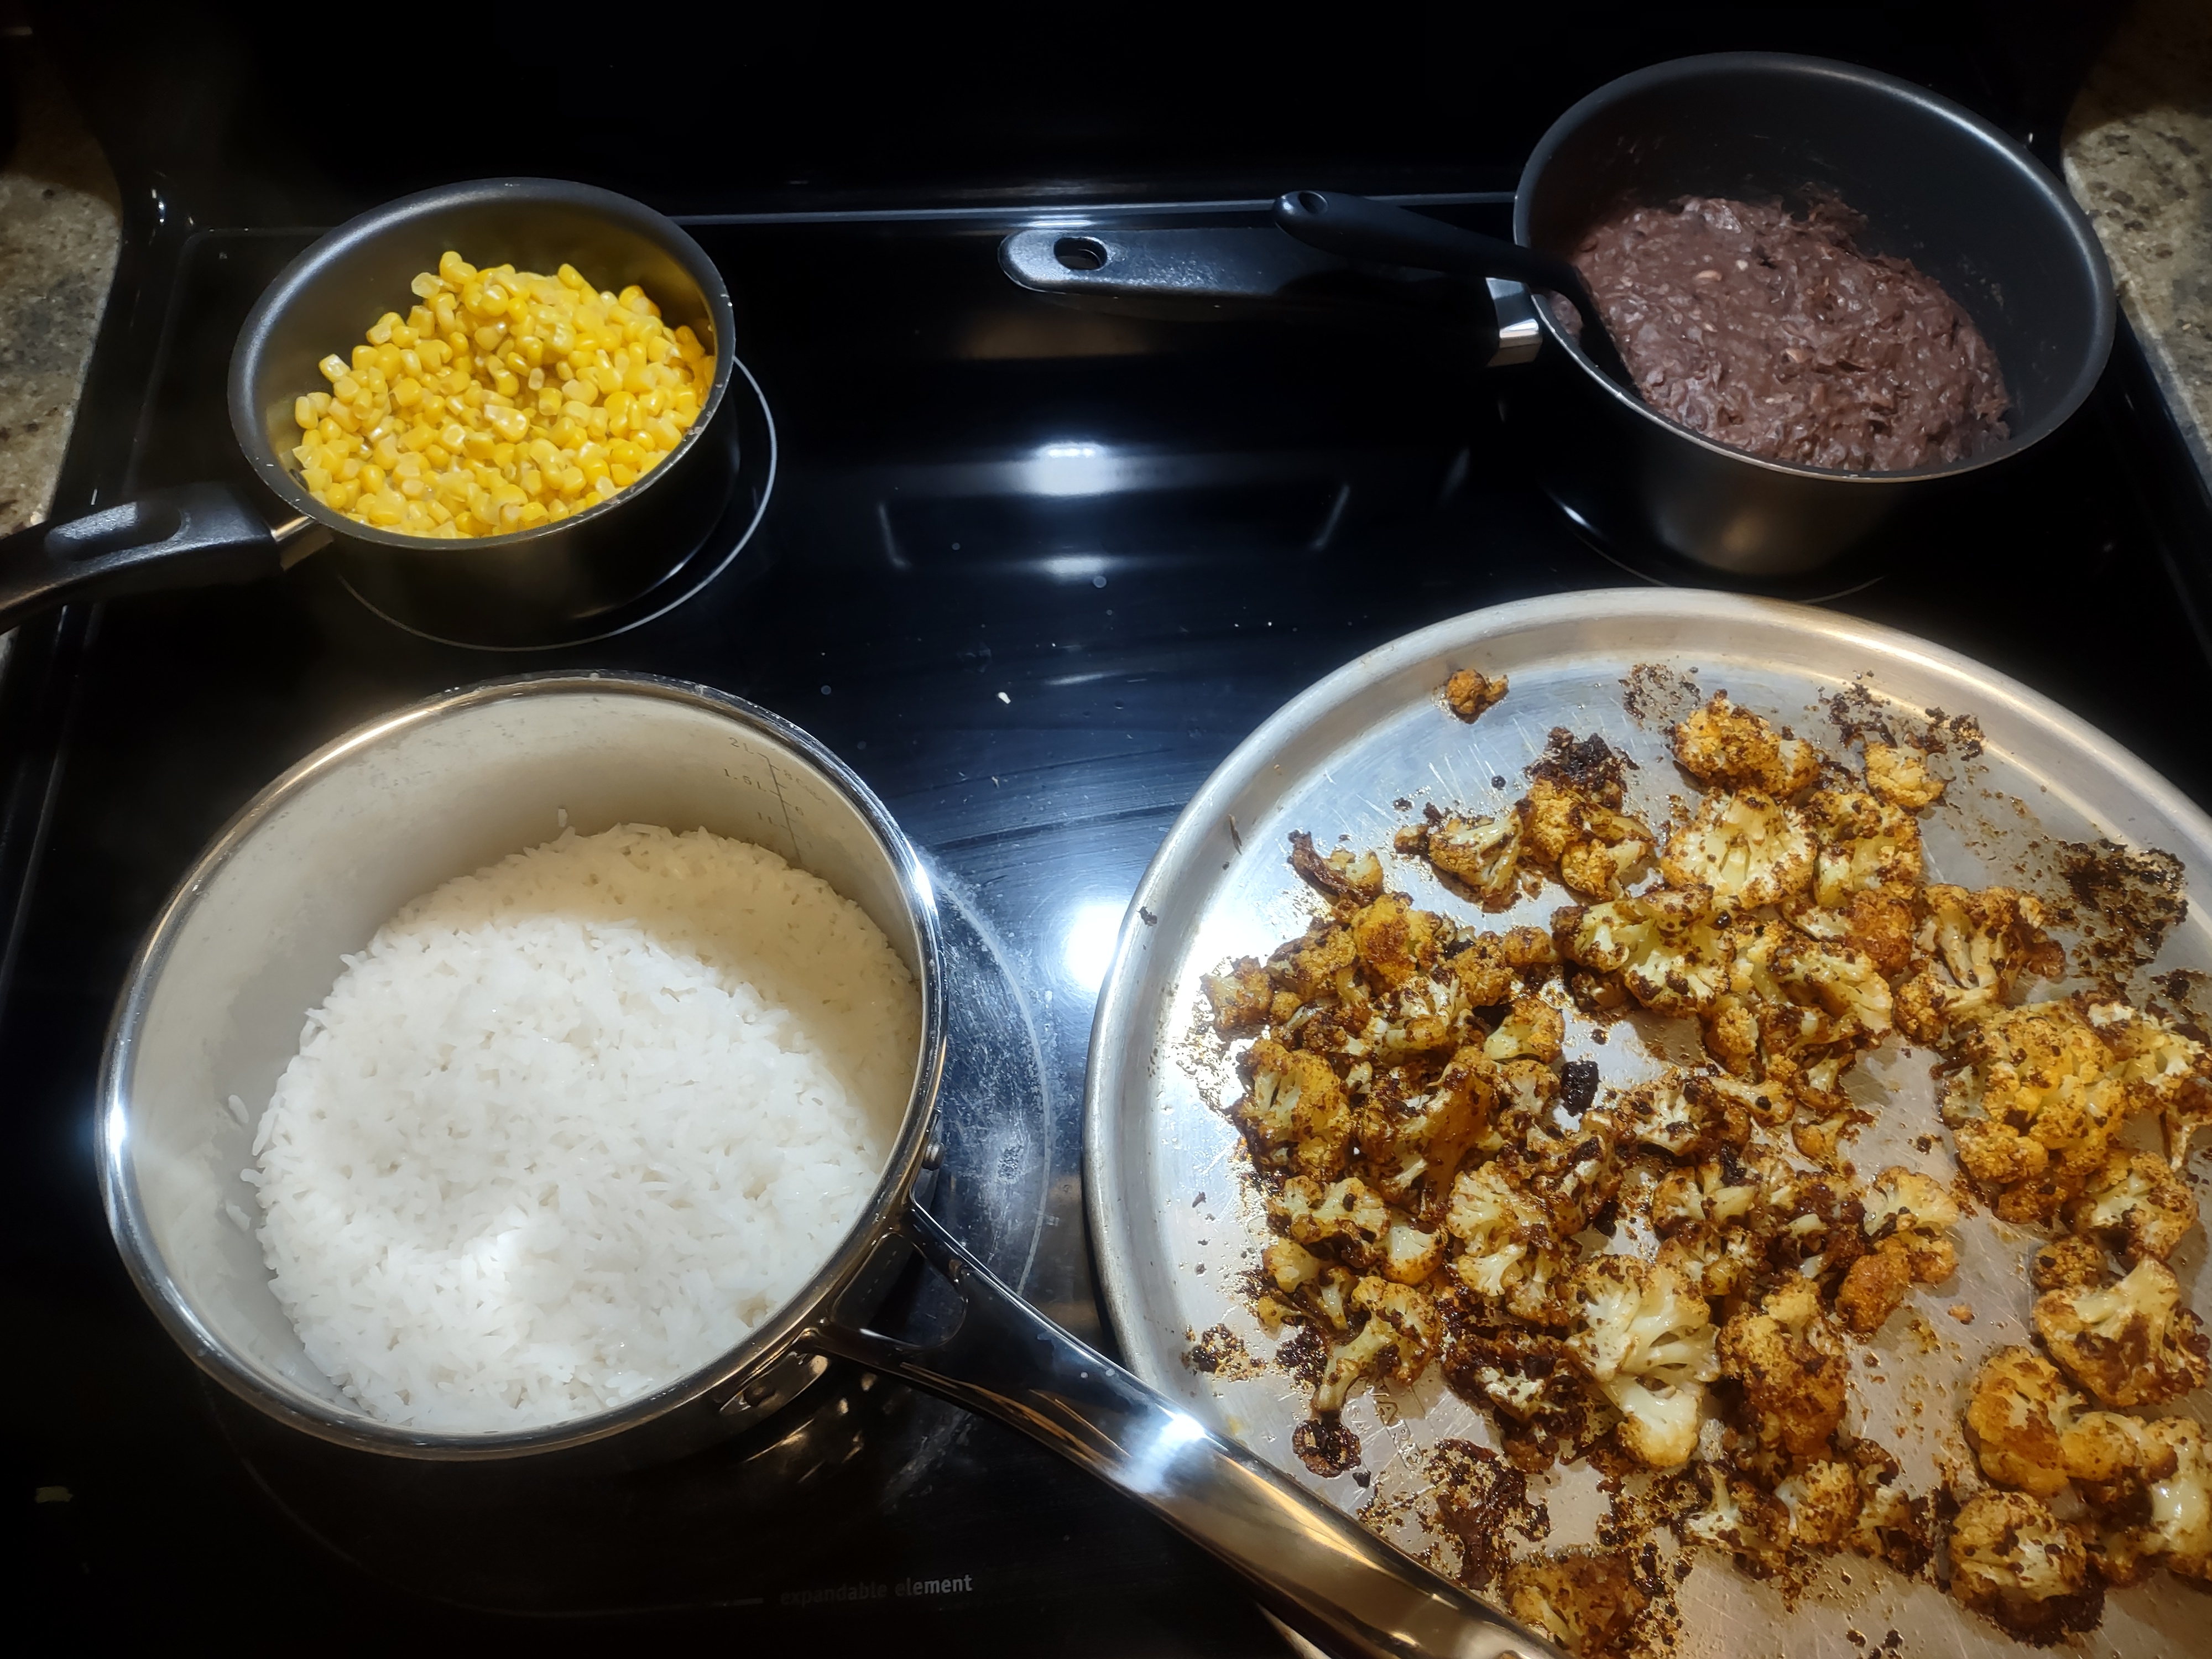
{"x":2138,"y":151}
{"x":61,"y":223}
{"x":2138,"y":157}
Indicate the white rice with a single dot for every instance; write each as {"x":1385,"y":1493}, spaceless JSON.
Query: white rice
{"x":571,"y":1126}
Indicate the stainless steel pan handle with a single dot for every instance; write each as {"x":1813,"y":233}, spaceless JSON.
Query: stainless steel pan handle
{"x":1316,"y":1567}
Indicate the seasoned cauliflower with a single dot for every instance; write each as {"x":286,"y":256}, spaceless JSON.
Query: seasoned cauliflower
{"x":1399,"y":1340}
{"x":1864,"y":845}
{"x":2177,"y":1494}
{"x":1981,"y":945}
{"x":1296,"y":1115}
{"x":1483,"y":854}
{"x":1531,"y":1029}
{"x":1667,"y":953}
{"x":1494,"y":968}
{"x":1906,"y":1216}
{"x":1309,"y":1290}
{"x":2015,"y":1562}
{"x":1572,"y":818}
{"x":1686,"y":1117}
{"x":1740,"y":1517}
{"x":1720,"y":1190}
{"x":1342,"y":877}
{"x":1510,"y":1248}
{"x":1586,"y":1603}
{"x":1469,"y":691}
{"x":1714,"y":1259}
{"x":1899,"y":774}
{"x":1394,"y":941}
{"x":1359,"y":1229}
{"x":1242,"y":996}
{"x":1823,"y":1501}
{"x":1747,"y":847}
{"x":1726,"y":747}
{"x":1310,"y":966}
{"x":1793,"y":998}
{"x":2029,"y":1429}
{"x":1893,"y":1525}
{"x":2165,"y":1071}
{"x":1411,"y":1147}
{"x":1522,"y":1372}
{"x":2137,"y":1203}
{"x":2035,"y":1105}
{"x":2067,"y":1264}
{"x":1646,"y":1339}
{"x":1793,"y":1368}
{"x":2130,"y":1344}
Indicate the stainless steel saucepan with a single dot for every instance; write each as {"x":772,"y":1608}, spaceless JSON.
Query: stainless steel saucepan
{"x":251,"y":941}
{"x":552,"y":584}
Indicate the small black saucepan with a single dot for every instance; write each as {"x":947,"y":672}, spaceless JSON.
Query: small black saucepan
{"x":1935,"y":184}
{"x":549,"y":585}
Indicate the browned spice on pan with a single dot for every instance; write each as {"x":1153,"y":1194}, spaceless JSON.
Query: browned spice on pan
{"x":1655,"y":695}
{"x":1474,"y":1495}
{"x":1219,"y":1352}
{"x":1325,"y":1446}
{"x":2124,"y":902}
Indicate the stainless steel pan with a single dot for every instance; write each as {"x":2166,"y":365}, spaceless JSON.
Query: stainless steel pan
{"x":1334,"y":762}
{"x":555,"y":584}
{"x":251,"y":941}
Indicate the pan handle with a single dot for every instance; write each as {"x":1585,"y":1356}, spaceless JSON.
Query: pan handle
{"x":1356,"y":227}
{"x":198,"y":536}
{"x":1314,"y":1567}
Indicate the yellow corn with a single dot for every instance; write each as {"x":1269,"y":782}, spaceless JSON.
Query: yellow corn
{"x":503,"y":399}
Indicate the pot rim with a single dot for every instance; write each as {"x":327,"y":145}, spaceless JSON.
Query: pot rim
{"x":304,"y":270}
{"x":2063,"y":211}
{"x":724,"y":1374}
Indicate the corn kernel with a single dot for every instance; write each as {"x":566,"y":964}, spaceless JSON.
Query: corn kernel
{"x":503,"y":400}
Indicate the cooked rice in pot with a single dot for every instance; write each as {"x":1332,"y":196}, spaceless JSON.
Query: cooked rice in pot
{"x":570,"y":1126}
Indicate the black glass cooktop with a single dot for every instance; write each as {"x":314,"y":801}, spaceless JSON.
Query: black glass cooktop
{"x":1033,"y":571}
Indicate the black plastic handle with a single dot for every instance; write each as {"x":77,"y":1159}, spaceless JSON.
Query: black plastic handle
{"x":1314,"y":1566}
{"x":1356,"y":227}
{"x":199,"y":535}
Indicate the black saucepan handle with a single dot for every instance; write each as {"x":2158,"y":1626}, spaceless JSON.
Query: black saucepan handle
{"x":1314,"y":1567}
{"x":198,"y":536}
{"x":1356,"y":227}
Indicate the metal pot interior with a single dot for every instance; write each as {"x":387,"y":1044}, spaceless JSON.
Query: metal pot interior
{"x":327,"y":299}
{"x":251,"y":941}
{"x":1936,"y":185}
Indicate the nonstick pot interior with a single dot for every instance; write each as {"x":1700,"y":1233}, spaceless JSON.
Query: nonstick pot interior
{"x":1933,"y":183}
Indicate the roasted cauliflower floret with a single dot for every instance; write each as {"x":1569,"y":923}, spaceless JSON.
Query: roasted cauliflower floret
{"x":1725,"y":747}
{"x":1749,"y":848}
{"x":2030,"y":1431}
{"x":2035,"y":1104}
{"x":1242,"y":996}
{"x":1531,"y":1029}
{"x":2137,"y":1203}
{"x":1877,"y":925}
{"x":1395,"y":942}
{"x":1667,"y":953}
{"x":1411,"y":1147}
{"x":1296,"y":1114}
{"x":1522,"y":1372}
{"x":1506,"y":1234}
{"x":1689,"y":1118}
{"x":1483,"y":853}
{"x":1342,"y":877}
{"x":1572,"y":818}
{"x":2129,"y":1344}
{"x":1793,"y":998}
{"x":1906,"y":1223}
{"x":1646,"y":1339}
{"x":1716,"y":1193}
{"x":2177,"y":1494}
{"x":1586,"y":1603}
{"x":1491,"y":969}
{"x":2014,"y":1561}
{"x":1469,"y":691}
{"x":1862,"y":845}
{"x":1309,"y":967}
{"x":1398,"y":1340}
{"x":1899,"y":774}
{"x":2066,"y":1264}
{"x":1823,"y":1501}
{"x":1357,"y":1227}
{"x":1981,"y":945}
{"x":2165,"y":1071}
{"x":1792,"y":1366}
{"x":1309,"y":1289}
{"x":1740,"y":1517}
